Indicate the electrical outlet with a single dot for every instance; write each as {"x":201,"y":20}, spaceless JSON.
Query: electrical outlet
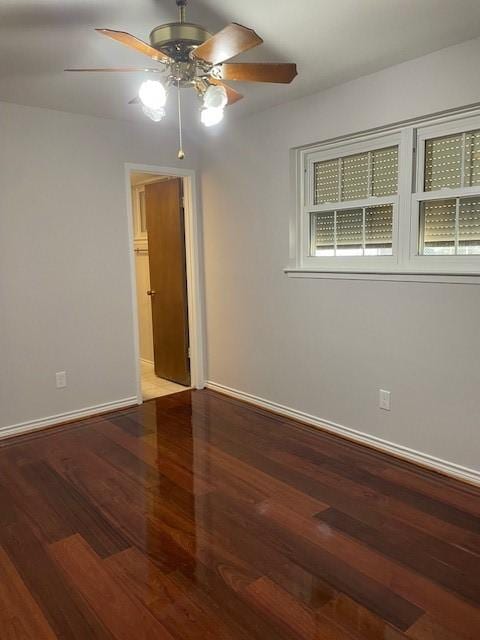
{"x":384,"y":399}
{"x":61,"y":379}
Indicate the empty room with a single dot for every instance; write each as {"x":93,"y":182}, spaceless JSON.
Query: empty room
{"x":239,"y":320}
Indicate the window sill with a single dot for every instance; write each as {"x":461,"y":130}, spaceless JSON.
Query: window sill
{"x":384,"y":275}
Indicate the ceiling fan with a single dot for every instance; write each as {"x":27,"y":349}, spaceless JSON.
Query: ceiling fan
{"x":191,"y":57}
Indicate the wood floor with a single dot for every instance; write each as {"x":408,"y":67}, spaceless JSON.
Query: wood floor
{"x":196,"y":516}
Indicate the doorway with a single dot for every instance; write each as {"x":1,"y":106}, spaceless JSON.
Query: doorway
{"x":163,"y":292}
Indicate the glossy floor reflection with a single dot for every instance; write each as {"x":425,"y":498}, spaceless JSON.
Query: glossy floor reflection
{"x":198,"y":516}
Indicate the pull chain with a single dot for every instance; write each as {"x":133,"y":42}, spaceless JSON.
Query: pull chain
{"x":181,"y":154}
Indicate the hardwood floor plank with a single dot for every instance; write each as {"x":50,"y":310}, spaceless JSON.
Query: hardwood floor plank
{"x":132,"y":426}
{"x":179,"y":604}
{"x":266,"y":559}
{"x":400,"y":532}
{"x":119,"y":612}
{"x":349,"y":496}
{"x":317,"y":446}
{"x":183,"y":476}
{"x":174,"y":599}
{"x":339,"y":574}
{"x":427,"y":629}
{"x":126,"y":506}
{"x":219,"y":620}
{"x":28,"y":498}
{"x":291,"y":617}
{"x":412,"y":586}
{"x":302,"y":584}
{"x":61,"y":605}
{"x":73,"y":508}
{"x":137,"y":446}
{"x":427,"y":504}
{"x":358,"y":620}
{"x":461,"y":496}
{"x":138,"y":574}
{"x":467,"y":586}
{"x":264,"y":484}
{"x":20,"y":615}
{"x":213,"y":584}
{"x":197,"y":516}
{"x":122,"y":459}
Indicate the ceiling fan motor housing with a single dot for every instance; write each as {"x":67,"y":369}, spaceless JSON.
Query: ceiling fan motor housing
{"x":178,"y":39}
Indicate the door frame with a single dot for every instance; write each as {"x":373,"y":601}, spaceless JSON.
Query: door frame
{"x":195,"y":295}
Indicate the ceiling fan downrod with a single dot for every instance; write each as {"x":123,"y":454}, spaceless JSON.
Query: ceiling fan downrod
{"x":181,"y":4}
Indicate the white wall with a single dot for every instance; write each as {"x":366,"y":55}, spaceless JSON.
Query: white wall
{"x":65,"y":295}
{"x":325,"y":347}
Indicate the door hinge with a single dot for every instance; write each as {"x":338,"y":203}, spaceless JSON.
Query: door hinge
{"x":188,"y":353}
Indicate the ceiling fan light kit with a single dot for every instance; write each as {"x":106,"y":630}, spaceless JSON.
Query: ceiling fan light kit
{"x":191,"y":57}
{"x":152,"y":94}
{"x":154,"y":114}
{"x":211,"y":116}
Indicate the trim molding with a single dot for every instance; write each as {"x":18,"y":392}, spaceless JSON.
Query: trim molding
{"x":68,"y":416}
{"x":390,"y":276}
{"x":411,"y":455}
{"x":195,"y":288}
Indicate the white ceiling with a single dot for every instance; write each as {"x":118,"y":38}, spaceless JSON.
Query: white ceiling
{"x":331,"y":41}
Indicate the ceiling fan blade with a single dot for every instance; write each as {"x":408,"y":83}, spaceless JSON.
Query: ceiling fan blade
{"x":232,"y":95}
{"x":121,"y":69}
{"x":258,"y":72}
{"x":227,"y":43}
{"x":135,"y":43}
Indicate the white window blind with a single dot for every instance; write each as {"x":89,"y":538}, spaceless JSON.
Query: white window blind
{"x":452,"y":161}
{"x":450,"y":226}
{"x":327,"y":181}
{"x":356,"y":177}
{"x":365,"y":231}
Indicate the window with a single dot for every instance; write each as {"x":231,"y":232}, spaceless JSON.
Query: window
{"x":353,"y":232}
{"x":400,"y":201}
{"x":355,"y":177}
{"x":451,"y":226}
{"x":351,"y":202}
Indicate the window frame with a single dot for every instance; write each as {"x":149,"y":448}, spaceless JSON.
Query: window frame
{"x":349,"y":148}
{"x":406,"y":259}
{"x":446,"y":263}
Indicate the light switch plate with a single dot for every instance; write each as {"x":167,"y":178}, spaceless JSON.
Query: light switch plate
{"x":61,"y":379}
{"x":384,"y":399}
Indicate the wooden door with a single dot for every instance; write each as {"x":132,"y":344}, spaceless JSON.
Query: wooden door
{"x":168,"y":280}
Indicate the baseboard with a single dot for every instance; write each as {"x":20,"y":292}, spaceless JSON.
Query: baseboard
{"x":68,"y":416}
{"x":147,"y":361}
{"x":411,"y":455}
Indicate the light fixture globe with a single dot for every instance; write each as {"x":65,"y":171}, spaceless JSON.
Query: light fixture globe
{"x":215,"y":97}
{"x":154,"y":114}
{"x":152,"y":94}
{"x":193,"y":58}
{"x":211,"y":116}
